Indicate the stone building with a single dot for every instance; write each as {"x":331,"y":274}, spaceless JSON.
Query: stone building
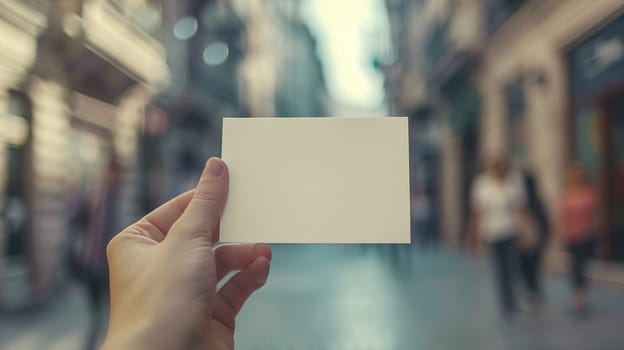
{"x":237,"y":58}
{"x":552,"y":81}
{"x":536,"y":80}
{"x":76,"y":77}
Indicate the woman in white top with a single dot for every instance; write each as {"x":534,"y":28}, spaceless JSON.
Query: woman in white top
{"x":497,"y":207}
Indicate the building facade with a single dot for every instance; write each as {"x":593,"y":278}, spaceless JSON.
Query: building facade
{"x":537,"y":81}
{"x":20,"y":24}
{"x":240,"y":58}
{"x":551,"y":78}
{"x":78,"y":77}
{"x":300,"y":89}
{"x":205,"y":42}
{"x":431,"y":81}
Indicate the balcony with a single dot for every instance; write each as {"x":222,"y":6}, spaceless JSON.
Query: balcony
{"x":112,"y":31}
{"x":146,"y":16}
{"x":499,"y":11}
{"x":454,"y":42}
{"x":21,"y":22}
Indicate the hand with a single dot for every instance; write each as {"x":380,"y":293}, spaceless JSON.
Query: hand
{"x":527,"y":237}
{"x":164,"y":272}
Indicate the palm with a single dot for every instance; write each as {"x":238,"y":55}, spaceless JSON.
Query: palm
{"x":220,"y":336}
{"x":202,"y":268}
{"x":169,"y":260}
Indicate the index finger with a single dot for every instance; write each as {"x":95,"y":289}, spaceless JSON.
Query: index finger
{"x":159,"y":221}
{"x":203,"y":213}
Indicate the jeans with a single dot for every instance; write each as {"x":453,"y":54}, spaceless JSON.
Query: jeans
{"x":580,"y":253}
{"x":504,"y":257}
{"x":530,"y":262}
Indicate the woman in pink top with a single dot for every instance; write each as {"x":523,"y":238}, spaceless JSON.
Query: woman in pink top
{"x":579,"y":209}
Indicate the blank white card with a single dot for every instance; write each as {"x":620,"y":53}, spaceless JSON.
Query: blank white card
{"x":316,"y":180}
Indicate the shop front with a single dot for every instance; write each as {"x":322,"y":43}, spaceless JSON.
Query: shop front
{"x":16,"y":209}
{"x":21,"y":22}
{"x":73,"y":91}
{"x":596,"y":74}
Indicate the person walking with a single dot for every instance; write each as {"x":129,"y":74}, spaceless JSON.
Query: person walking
{"x":531,"y":255}
{"x":579,"y":227}
{"x":102,"y":225}
{"x":421,"y":217}
{"x":497,"y":204}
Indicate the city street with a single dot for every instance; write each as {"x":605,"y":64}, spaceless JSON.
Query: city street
{"x":512,"y":124}
{"x":360,"y":297}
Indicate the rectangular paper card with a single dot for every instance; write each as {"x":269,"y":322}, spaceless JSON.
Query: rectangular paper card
{"x":316,"y":180}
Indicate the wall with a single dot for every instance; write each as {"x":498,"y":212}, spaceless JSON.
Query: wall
{"x":258,"y":70}
{"x":20,"y":24}
{"x":547,"y":30}
{"x":50,"y":147}
{"x":19,"y":27}
{"x":137,"y":56}
{"x":452,"y":219}
{"x":128,"y":124}
{"x":535,"y":40}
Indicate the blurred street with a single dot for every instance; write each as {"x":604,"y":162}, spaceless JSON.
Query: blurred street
{"x":355,"y":297}
{"x":515,"y":113}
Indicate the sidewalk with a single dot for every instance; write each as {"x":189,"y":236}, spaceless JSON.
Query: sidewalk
{"x":367,"y":298}
{"x":345,"y":298}
{"x":601,"y":272}
{"x":60,"y":325}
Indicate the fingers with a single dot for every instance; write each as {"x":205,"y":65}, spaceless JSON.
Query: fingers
{"x":238,"y":289}
{"x":237,"y":257}
{"x":157,"y":223}
{"x":203,"y":213}
{"x":233,"y":295}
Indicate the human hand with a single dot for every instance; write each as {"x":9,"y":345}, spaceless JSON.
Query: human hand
{"x":527,"y":235}
{"x":164,"y":272}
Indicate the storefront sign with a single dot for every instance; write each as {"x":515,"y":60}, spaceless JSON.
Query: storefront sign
{"x":599,"y":60}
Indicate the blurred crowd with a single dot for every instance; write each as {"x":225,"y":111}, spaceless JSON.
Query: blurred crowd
{"x":508,"y":214}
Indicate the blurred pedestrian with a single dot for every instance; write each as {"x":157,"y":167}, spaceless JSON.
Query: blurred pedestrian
{"x":497,"y":205}
{"x":101,"y":227}
{"x":531,"y":255}
{"x":421,"y":218}
{"x":78,"y":209}
{"x":579,"y":227}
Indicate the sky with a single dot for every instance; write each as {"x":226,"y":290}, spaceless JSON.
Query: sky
{"x":349,"y":32}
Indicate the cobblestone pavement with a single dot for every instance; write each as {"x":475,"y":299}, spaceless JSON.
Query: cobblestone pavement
{"x":352,"y":297}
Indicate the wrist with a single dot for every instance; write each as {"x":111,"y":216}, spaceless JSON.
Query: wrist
{"x":113,"y":341}
{"x":130,"y":336}
{"x":151,"y":334}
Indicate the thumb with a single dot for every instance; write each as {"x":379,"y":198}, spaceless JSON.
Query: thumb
{"x":201,"y":217}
